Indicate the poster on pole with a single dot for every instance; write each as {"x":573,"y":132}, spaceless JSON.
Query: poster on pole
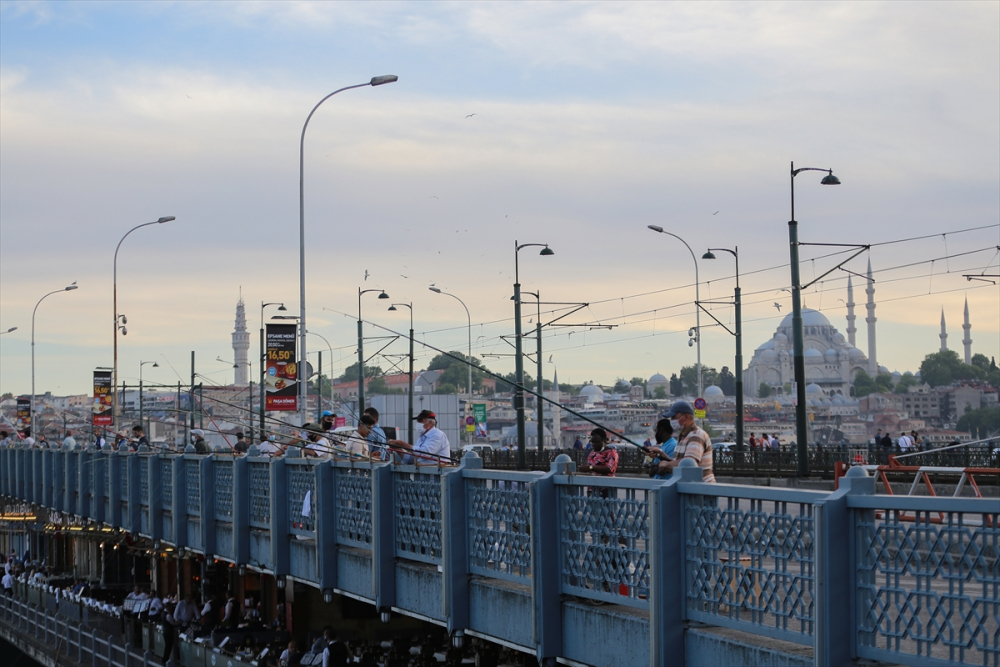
{"x":479,"y":414}
{"x":23,"y":413}
{"x":102,"y":408}
{"x":282,"y":370}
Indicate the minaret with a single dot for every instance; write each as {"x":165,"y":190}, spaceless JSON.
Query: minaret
{"x":944,"y":333}
{"x":241,"y":343}
{"x":851,"y":329}
{"x":556,"y":411}
{"x":870,"y":291}
{"x":967,"y":341}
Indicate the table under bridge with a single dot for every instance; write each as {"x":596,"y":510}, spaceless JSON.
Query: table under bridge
{"x":570,"y":568}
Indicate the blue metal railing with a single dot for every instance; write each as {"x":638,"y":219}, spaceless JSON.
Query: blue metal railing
{"x":909,"y":580}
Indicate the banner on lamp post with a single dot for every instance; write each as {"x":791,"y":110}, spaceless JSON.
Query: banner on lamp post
{"x":479,"y":414}
{"x":102,"y":408}
{"x":282,"y":370}
{"x":23,"y":413}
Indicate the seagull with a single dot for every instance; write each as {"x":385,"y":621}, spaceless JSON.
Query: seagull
{"x":778,"y":306}
{"x":716,"y":213}
{"x":434,"y":197}
{"x":407,"y":277}
{"x":366,"y":274}
{"x":550,"y":358}
{"x":470,"y":115}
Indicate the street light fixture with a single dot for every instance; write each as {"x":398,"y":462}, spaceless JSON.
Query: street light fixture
{"x":696,"y":335}
{"x":263,"y":361}
{"x":329,"y":379}
{"x":8,"y":331}
{"x":518,"y":361}
{"x":68,"y":288}
{"x":375,"y":81}
{"x":361,"y":349}
{"x":141,"y":404}
{"x":114,"y":393}
{"x":739,"y":342}
{"x":438,"y":290}
{"x":801,"y":422}
{"x":409,"y":421}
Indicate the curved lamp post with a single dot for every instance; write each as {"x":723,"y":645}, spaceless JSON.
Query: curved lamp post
{"x":409,"y":422}
{"x":361,"y":349}
{"x":114,"y":392}
{"x":68,"y":288}
{"x":375,"y":81}
{"x":469,"y":364}
{"x":518,"y":361}
{"x":801,"y":422}
{"x":329,"y":379}
{"x":739,"y":342}
{"x":697,"y":299}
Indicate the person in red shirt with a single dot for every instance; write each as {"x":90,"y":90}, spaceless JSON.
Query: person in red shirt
{"x":602,"y":460}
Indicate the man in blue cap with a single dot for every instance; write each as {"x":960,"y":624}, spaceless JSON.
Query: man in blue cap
{"x":328,"y":421}
{"x":692,"y":442}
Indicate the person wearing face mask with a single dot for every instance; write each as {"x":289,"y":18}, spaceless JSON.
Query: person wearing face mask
{"x":692,"y":442}
{"x":432,"y":441}
{"x":199,"y":442}
{"x":664,"y":451}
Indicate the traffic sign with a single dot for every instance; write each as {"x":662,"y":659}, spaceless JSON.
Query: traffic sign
{"x":470,"y":421}
{"x":699,"y":404}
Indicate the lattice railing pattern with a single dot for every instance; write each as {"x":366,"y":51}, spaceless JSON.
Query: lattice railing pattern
{"x":354,"y":507}
{"x":123,"y":478}
{"x":260,"y":494}
{"x":604,"y":534}
{"x":499,"y":528}
{"x":223,"y":490}
{"x":751,"y":561}
{"x":192,"y":479}
{"x":418,"y":516}
{"x":89,"y":491}
{"x":144,"y":481}
{"x":167,"y":483}
{"x":301,"y":483}
{"x":929,"y":585}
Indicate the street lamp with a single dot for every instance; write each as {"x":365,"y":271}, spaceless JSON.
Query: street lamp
{"x":114,"y":393}
{"x":361,"y":349}
{"x":263,"y":361}
{"x":8,"y":331}
{"x":518,"y":361}
{"x":65,"y":289}
{"x":801,"y":423}
{"x":409,"y":422}
{"x":697,"y":298}
{"x":739,"y":342}
{"x":438,"y":290}
{"x":141,"y":405}
{"x":329,"y":380}
{"x":375,"y":81}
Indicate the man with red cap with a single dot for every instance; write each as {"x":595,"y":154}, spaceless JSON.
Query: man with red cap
{"x":432,"y":441}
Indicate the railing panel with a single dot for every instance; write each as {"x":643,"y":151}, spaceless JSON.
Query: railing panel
{"x":354,"y":506}
{"x":260,"y":494}
{"x":604,"y":541}
{"x":499,"y":524}
{"x":192,"y":478}
{"x":751,"y":562}
{"x":928,"y":584}
{"x":301,"y":498}
{"x":167,"y":483}
{"x":223,"y":490}
{"x":417,"y":496}
{"x":144,"y":522}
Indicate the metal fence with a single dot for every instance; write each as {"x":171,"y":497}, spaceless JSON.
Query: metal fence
{"x":909,"y":580}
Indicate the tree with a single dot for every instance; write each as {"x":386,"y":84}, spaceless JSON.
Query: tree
{"x":764,"y":390}
{"x":727,"y":381}
{"x":865,"y":384}
{"x":455,"y":370}
{"x":377,"y":386}
{"x":639,"y":381}
{"x":622,"y":386}
{"x":689,"y":375}
{"x":351,"y":373}
{"x":660,"y":392}
{"x":942,"y":368}
{"x":981,"y":362}
{"x":446,"y":388}
{"x":985,"y":422}
{"x":908,"y":380}
{"x":676,"y":386}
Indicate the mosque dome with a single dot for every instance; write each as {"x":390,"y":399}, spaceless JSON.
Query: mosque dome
{"x":658,"y":377}
{"x":812,"y":354}
{"x":883,"y":369}
{"x":830,"y":355}
{"x":855,"y":353}
{"x":897,"y":376}
{"x":814,"y":390}
{"x":767,"y":345}
{"x":838,"y":400}
{"x":839,"y":339}
{"x":713,"y":394}
{"x":810,"y":318}
{"x":767,"y":355}
{"x":592,"y":391}
{"x":826,"y":402}
{"x":780,"y":338}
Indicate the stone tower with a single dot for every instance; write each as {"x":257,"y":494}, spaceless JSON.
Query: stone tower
{"x":241,"y":344}
{"x":870,"y":291}
{"x":967,"y":328}
{"x":944,"y":333}
{"x":851,"y":329}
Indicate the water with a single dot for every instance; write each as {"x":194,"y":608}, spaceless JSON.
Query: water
{"x":11,"y":656}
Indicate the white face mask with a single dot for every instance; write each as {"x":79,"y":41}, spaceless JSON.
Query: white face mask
{"x":676,"y":425}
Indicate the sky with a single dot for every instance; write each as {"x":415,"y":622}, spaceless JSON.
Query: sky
{"x":569,"y":124}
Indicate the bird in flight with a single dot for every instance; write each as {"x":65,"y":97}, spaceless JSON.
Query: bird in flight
{"x":470,"y":115}
{"x":407,"y":277}
{"x":550,"y":358}
{"x":433,"y":197}
{"x":716,"y":213}
{"x":366,"y":274}
{"x":778,"y":306}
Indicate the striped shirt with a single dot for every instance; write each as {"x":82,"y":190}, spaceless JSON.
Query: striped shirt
{"x":695,"y":444}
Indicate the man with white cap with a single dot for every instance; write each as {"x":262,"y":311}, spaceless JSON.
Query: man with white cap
{"x":432,"y":442}
{"x":200,"y":445}
{"x":692,"y":442}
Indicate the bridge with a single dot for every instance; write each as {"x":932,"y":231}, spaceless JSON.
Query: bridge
{"x":569,"y":568}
